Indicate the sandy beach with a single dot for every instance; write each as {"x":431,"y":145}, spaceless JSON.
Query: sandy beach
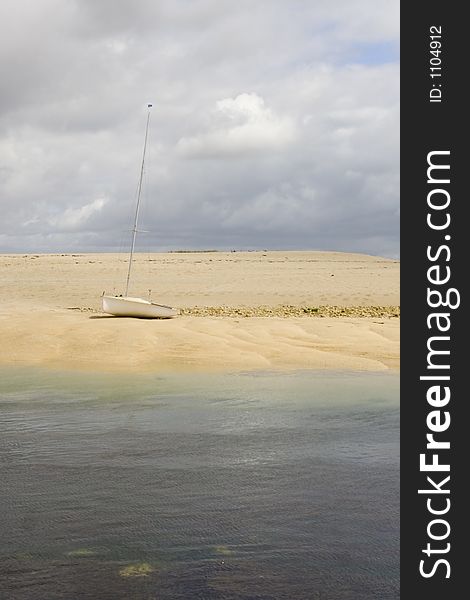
{"x":239,"y":311}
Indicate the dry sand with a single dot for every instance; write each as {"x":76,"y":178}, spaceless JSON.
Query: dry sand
{"x":241,"y":311}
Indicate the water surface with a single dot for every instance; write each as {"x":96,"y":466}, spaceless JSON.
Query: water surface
{"x":229,"y":487}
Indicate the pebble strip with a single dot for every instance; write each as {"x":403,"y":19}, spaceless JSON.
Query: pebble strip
{"x":286,"y":310}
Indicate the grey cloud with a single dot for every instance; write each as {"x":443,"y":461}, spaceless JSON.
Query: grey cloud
{"x":266,"y":131}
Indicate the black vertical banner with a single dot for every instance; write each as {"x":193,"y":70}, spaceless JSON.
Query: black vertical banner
{"x":434,"y":252}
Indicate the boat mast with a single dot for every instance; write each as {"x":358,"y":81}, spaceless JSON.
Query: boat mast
{"x":136,"y":217}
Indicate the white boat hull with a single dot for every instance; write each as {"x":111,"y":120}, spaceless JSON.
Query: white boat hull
{"x":124,"y":306}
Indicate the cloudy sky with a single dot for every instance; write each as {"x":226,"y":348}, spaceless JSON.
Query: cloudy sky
{"x":274,"y":124}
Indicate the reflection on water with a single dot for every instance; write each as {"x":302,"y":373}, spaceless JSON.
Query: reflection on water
{"x":225,"y":487}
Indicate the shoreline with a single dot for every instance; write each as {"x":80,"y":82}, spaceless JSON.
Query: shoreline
{"x":94,"y":342}
{"x":241,"y":311}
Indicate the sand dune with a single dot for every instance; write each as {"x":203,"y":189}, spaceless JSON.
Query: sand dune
{"x":50,"y":311}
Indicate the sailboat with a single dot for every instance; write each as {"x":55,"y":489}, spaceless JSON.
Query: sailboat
{"x":125,"y":305}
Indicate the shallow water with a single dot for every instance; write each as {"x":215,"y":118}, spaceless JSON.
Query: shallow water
{"x":229,"y":487}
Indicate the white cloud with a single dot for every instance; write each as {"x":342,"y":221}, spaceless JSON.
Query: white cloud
{"x":72,"y":218}
{"x":241,"y":126}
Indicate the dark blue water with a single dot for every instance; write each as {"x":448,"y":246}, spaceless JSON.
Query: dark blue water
{"x":227,"y":487}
